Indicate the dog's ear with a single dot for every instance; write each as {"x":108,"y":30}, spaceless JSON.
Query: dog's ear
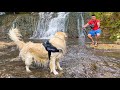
{"x":56,"y":34}
{"x":61,"y":34}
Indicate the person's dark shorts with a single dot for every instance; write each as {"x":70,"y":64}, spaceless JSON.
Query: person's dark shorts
{"x":95,"y":32}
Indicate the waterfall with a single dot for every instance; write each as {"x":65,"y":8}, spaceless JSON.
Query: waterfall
{"x":2,"y":13}
{"x":43,"y":23}
{"x":80,"y":31}
{"x":49,"y":25}
{"x":51,"y":22}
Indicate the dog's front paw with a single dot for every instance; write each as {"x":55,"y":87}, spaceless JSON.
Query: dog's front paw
{"x":60,"y":69}
{"x":29,"y":71}
{"x":55,"y":72}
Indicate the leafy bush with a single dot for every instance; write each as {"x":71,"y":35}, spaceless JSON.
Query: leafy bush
{"x":111,"y":21}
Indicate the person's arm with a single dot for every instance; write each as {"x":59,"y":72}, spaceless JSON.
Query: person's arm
{"x":98,"y":23}
{"x":85,"y":25}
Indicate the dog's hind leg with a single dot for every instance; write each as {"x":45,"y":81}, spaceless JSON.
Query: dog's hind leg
{"x":28,"y":62}
{"x":52,"y":66}
{"x":58,"y":65}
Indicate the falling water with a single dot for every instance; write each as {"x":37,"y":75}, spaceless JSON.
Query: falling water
{"x":43,"y":23}
{"x":51,"y":22}
{"x":2,"y":13}
{"x":80,"y":21}
{"x":49,"y":25}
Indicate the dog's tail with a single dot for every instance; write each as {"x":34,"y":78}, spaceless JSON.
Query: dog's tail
{"x":15,"y":35}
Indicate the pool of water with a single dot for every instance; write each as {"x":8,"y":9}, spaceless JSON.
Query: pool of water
{"x":78,"y":62}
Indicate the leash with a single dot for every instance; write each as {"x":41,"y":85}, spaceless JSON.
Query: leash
{"x":85,"y":32}
{"x":84,"y":29}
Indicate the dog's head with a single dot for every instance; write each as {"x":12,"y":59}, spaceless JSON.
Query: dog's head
{"x":62,"y":35}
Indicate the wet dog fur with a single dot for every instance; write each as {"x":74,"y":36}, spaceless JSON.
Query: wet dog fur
{"x":36,"y":52}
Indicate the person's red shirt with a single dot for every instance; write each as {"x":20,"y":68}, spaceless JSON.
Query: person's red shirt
{"x":94,"y":22}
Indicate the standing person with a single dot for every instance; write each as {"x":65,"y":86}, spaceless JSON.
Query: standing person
{"x":95,"y":29}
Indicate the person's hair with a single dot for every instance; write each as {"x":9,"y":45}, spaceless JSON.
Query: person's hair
{"x":93,"y":14}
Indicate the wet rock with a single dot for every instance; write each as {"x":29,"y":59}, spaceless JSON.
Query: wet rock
{"x":16,"y":59}
{"x":77,"y":63}
{"x":32,"y":76}
{"x":13,"y":49}
{"x":4,"y":75}
{"x":108,"y":75}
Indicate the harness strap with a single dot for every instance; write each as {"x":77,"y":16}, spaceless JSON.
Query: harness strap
{"x":50,"y":48}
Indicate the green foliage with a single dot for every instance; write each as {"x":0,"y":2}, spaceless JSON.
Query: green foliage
{"x":111,"y":21}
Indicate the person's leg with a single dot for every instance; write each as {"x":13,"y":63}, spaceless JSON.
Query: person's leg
{"x":97,"y":36}
{"x":90,"y":34}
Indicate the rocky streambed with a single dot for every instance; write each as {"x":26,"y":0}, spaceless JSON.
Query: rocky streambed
{"x":79,"y":62}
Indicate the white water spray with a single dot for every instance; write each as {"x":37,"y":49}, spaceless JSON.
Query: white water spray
{"x":49,"y":25}
{"x":80,"y":31}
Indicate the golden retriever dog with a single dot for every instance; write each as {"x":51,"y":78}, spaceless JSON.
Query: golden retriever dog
{"x":36,"y":52}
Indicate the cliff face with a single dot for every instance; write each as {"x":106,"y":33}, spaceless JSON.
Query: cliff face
{"x":25,"y":22}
